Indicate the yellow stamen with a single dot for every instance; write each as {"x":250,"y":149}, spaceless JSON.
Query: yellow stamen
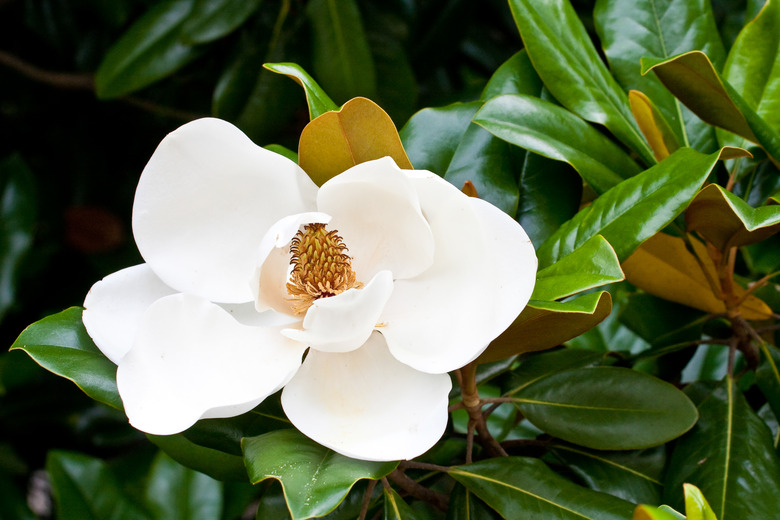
{"x":321,"y":268}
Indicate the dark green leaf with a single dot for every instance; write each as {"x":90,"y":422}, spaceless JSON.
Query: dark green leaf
{"x":86,"y":489}
{"x":214,"y":463}
{"x":729,"y":455}
{"x":60,"y":344}
{"x":174,"y":492}
{"x":211,"y":20}
{"x":768,"y":376}
{"x":630,"y":30}
{"x":318,"y":100}
{"x":150,"y":50}
{"x":342,"y":58}
{"x":515,"y":76}
{"x":592,"y":265}
{"x":295,"y":460}
{"x":579,"y":406}
{"x":526,"y":488}
{"x":18,"y":213}
{"x":396,"y":508}
{"x":556,"y":133}
{"x":539,"y":366}
{"x":635,"y":209}
{"x":465,"y":506}
{"x":568,"y":63}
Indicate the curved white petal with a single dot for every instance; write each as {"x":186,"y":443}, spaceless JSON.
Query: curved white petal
{"x":483,"y":274}
{"x":366,"y":405}
{"x":376,"y":211}
{"x":344,"y":322}
{"x":192,"y":360}
{"x":204,"y":202}
{"x":269,"y":280}
{"x":114,"y":306}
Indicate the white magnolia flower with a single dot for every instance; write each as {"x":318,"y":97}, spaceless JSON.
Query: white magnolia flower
{"x":390,"y":279}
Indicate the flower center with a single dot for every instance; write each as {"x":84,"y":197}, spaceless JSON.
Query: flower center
{"x":320,"y":267}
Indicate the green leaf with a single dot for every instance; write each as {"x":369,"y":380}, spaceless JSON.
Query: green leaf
{"x":214,"y":463}
{"x":174,"y":492}
{"x":396,"y":508}
{"x":556,"y":133}
{"x":568,"y":63}
{"x":630,"y":30}
{"x":729,"y":455}
{"x":318,"y":100}
{"x":211,"y":20}
{"x":18,"y":214}
{"x":728,"y":221}
{"x":86,"y":489}
{"x":579,"y":406}
{"x":692,"y":78}
{"x":592,"y":265}
{"x":631,"y":475}
{"x":643,"y":512}
{"x":148,"y":51}
{"x":515,"y":76}
{"x":768,"y":376}
{"x":315,"y":479}
{"x":696,"y":506}
{"x":634,"y":210}
{"x":60,"y":344}
{"x":526,"y":488}
{"x":465,"y":506}
{"x":341,"y":55}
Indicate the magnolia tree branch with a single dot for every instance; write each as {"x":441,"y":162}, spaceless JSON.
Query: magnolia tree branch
{"x":467,"y":378}
{"x":418,"y":491}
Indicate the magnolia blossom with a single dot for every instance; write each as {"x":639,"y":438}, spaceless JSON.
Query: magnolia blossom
{"x":357,"y":297}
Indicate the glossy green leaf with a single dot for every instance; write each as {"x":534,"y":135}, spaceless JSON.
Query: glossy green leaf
{"x":294,"y":459}
{"x":539,"y":366}
{"x":211,"y":20}
{"x":631,"y":475}
{"x":696,"y":506}
{"x":214,"y":463}
{"x":571,"y":68}
{"x":318,"y":100}
{"x":151,"y":49}
{"x":579,"y":406}
{"x":729,"y":455}
{"x":728,"y":221}
{"x":465,"y":506}
{"x":556,"y":133}
{"x":396,"y":508}
{"x":341,"y":55}
{"x":514,"y":76}
{"x":174,"y":492}
{"x":526,"y":488}
{"x":60,"y":344}
{"x":432,"y":135}
{"x":692,"y":78}
{"x":85,"y":489}
{"x":635,"y":209}
{"x":753,"y":64}
{"x":630,"y":30}
{"x":18,"y":213}
{"x":643,"y":512}
{"x":543,"y":325}
{"x":592,"y":265}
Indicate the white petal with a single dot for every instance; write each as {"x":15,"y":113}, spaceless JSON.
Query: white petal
{"x":204,"y":202}
{"x":269,"y":281}
{"x":376,"y":211}
{"x":483,"y":274}
{"x":344,"y":322}
{"x":366,"y":405}
{"x":192,"y":360}
{"x":114,"y":306}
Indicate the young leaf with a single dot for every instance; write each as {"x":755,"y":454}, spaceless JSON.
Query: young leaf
{"x":151,"y":49}
{"x":643,"y":512}
{"x":729,"y":455}
{"x":551,"y":131}
{"x":341,"y":55}
{"x":630,"y":30}
{"x":653,"y":125}
{"x":579,"y":406}
{"x":543,"y":325}
{"x":592,"y":265}
{"x":318,"y":100}
{"x":519,"y":487}
{"x":335,"y":141}
{"x":295,"y":460}
{"x":568,"y":63}
{"x":727,"y":221}
{"x":696,"y":506}
{"x":636,"y":209}
{"x":60,"y":344}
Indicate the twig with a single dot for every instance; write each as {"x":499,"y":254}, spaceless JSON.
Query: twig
{"x":55,"y":79}
{"x":411,"y":464}
{"x":439,"y":500}
{"x":367,"y":500}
